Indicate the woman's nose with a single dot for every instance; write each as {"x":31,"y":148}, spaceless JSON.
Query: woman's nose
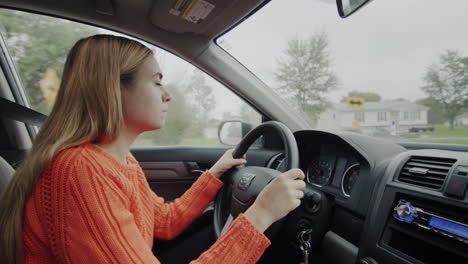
{"x":166,"y":96}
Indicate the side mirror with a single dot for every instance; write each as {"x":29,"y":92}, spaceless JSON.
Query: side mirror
{"x":231,"y":132}
{"x":347,"y":7}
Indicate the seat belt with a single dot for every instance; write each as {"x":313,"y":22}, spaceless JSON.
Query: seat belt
{"x":20,"y":113}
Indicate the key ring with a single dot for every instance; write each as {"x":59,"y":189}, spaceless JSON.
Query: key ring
{"x":304,"y":236}
{"x":304,"y":239}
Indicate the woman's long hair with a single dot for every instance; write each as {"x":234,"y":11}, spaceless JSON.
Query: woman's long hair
{"x":88,"y":108}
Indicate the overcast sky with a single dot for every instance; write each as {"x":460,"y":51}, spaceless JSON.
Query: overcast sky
{"x":384,"y":48}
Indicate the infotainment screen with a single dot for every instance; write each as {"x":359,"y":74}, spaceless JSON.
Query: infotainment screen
{"x":450,"y":227}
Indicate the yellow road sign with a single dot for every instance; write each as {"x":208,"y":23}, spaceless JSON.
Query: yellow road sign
{"x":355,"y":102}
{"x":49,"y":85}
{"x":355,"y":124}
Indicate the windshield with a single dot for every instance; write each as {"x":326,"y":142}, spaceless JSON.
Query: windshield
{"x":395,"y":69}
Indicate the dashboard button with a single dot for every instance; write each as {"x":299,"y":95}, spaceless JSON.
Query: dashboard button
{"x":456,"y":186}
{"x":404,"y":212}
{"x":461,"y":170}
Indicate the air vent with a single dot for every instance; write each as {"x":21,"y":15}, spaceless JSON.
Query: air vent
{"x":429,"y":172}
{"x":276,"y":161}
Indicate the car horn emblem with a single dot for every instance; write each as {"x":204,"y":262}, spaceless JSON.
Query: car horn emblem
{"x":245,"y":181}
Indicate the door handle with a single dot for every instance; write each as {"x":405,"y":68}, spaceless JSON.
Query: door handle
{"x":198,"y":172}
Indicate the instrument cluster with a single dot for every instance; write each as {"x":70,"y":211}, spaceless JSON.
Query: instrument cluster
{"x":333,"y":166}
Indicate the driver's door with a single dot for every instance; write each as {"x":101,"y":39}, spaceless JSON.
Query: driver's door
{"x":171,"y":170}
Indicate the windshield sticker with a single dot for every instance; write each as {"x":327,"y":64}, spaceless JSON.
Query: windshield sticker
{"x":194,"y":11}
{"x":180,"y":6}
{"x":197,"y":12}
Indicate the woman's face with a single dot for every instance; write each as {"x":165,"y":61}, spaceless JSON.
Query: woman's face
{"x":145,"y":101}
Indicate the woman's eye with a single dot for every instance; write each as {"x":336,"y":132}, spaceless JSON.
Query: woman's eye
{"x":158,"y":84}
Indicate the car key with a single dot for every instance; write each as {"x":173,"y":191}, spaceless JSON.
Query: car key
{"x":306,"y":255}
{"x":304,"y":241}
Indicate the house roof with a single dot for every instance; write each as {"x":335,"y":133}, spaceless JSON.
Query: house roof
{"x":401,"y":106}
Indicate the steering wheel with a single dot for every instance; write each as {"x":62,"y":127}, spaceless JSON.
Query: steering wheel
{"x":242,"y":185}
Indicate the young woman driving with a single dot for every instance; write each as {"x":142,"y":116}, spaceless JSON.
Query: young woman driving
{"x":81,"y":196}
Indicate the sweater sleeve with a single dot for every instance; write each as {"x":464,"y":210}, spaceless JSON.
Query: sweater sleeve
{"x":93,"y":222}
{"x":242,"y":243}
{"x":174,"y":217}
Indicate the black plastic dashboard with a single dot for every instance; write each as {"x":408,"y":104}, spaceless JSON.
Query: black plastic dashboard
{"x":330,"y":161}
{"x":368,"y":179}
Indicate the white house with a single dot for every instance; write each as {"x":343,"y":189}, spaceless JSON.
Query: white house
{"x":395,"y":117}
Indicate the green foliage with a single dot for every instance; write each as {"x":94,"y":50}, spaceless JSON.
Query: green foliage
{"x":434,"y":115}
{"x":465,"y":61}
{"x":445,"y":141}
{"x":441,"y":132}
{"x":304,"y":73}
{"x":202,"y":102}
{"x":447,"y":84}
{"x":37,"y":43}
{"x":368,"y":96}
{"x":250,"y":115}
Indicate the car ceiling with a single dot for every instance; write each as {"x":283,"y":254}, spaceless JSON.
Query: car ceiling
{"x":149,"y":20}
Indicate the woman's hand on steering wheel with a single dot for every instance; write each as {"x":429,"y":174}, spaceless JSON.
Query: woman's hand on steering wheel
{"x":225,"y":163}
{"x":242,"y":188}
{"x":282,"y":195}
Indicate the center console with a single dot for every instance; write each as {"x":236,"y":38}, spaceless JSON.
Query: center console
{"x":437,"y":223}
{"x":420,"y":211}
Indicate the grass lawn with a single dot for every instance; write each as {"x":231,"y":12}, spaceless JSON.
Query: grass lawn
{"x":448,"y":141}
{"x":443,"y":131}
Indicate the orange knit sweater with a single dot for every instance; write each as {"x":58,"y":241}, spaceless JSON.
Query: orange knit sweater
{"x":87,"y":207}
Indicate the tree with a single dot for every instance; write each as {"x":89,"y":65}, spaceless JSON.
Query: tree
{"x":399,"y":99}
{"x":465,"y":61}
{"x":304,"y":73}
{"x":38,"y":43}
{"x":434,"y":115}
{"x":202,"y":101}
{"x":250,"y":115}
{"x":447,"y":83}
{"x":368,"y":96}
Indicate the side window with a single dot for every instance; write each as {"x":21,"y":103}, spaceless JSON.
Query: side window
{"x":39,"y":45}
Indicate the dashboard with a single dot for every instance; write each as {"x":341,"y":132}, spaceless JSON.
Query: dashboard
{"x":332,"y":165}
{"x":389,"y":202}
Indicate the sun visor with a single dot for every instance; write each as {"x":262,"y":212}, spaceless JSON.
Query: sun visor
{"x":202,"y":17}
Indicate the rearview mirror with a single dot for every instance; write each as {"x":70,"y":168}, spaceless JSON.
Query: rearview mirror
{"x":347,"y":7}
